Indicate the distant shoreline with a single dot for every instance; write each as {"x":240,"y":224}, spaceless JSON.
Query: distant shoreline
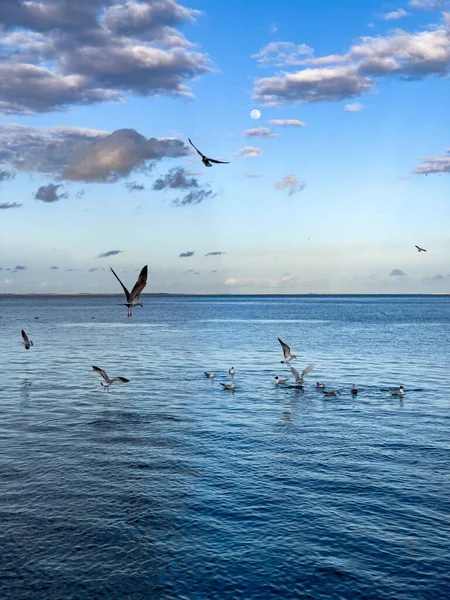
{"x":159,"y":294}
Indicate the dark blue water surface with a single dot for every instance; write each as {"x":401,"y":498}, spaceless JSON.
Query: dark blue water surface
{"x":171,"y":487}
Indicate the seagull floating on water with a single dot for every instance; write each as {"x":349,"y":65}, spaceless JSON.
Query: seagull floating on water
{"x":279,"y":380}
{"x":354,"y":390}
{"x":301,"y":378}
{"x":133,"y":298}
{"x":228,"y":386}
{"x":209,"y":374}
{"x":332,"y":394}
{"x":399,"y":392}
{"x":207,"y":161}
{"x":108,"y":380}
{"x":287,"y":352}
{"x":26,"y":342}
{"x":419,"y":249}
{"x":320,"y":385}
{"x":231,"y":372}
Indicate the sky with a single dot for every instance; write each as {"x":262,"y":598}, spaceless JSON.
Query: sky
{"x":328,"y":191}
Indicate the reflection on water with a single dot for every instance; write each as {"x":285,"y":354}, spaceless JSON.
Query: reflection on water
{"x":171,"y":487}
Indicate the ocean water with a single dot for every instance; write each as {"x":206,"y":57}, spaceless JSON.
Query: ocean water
{"x":170,"y":487}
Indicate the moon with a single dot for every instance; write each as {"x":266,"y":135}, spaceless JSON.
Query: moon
{"x":255,"y":113}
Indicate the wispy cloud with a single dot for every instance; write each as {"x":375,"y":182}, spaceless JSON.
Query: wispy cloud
{"x":109,"y":253}
{"x":429,"y":4}
{"x":260,"y":132}
{"x":249,"y":152}
{"x":287,"y":122}
{"x":54,"y":268}
{"x":395,"y":14}
{"x":282,"y":54}
{"x":132,"y":186}
{"x":6,"y":205}
{"x":5,"y":174}
{"x":397,"y":273}
{"x":177,"y":179}
{"x":96,"y":269}
{"x":187,"y":254}
{"x":291,"y":182}
{"x":49,"y":193}
{"x":434,"y":164}
{"x":215,"y":253}
{"x":354,"y":107}
{"x":18,"y":268}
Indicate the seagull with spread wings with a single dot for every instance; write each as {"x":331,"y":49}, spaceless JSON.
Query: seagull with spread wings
{"x":207,"y":161}
{"x":419,"y":249}
{"x":108,"y":380}
{"x":299,"y":379}
{"x":133,"y":297}
{"x":286,"y":352}
{"x":26,"y":342}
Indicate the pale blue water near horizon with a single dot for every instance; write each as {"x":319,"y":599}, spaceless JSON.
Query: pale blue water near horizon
{"x":170,"y":487}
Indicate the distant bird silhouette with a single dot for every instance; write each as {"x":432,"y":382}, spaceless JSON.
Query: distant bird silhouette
{"x":354,"y":390}
{"x":209,"y":374}
{"x":108,"y":380}
{"x":320,"y":385}
{"x":133,"y":297}
{"x":419,"y":249}
{"x":332,"y":394}
{"x":207,"y":161}
{"x":286,"y":352}
{"x":26,"y":342}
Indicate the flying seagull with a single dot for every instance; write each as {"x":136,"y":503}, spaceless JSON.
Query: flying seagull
{"x":301,"y":378}
{"x":133,"y":298}
{"x":228,"y":386}
{"x":419,"y":249}
{"x":287,"y":352}
{"x":207,"y":161}
{"x":26,"y":342}
{"x":108,"y":380}
{"x":209,"y":374}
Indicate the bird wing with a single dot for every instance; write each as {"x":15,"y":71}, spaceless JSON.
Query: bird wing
{"x":140,"y":284}
{"x":25,"y":337}
{"x":127,"y":293}
{"x":308,"y":369}
{"x":198,"y":151}
{"x":286,"y":349}
{"x":120,"y":380}
{"x":101,"y":372}
{"x":295,"y":373}
{"x":219,"y":162}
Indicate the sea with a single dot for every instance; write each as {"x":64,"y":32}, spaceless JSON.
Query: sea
{"x":171,"y":487}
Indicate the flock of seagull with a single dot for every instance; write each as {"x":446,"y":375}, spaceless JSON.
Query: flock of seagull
{"x":133,"y":300}
{"x":299,"y":379}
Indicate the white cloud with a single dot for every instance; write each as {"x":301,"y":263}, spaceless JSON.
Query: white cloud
{"x":291,"y":182}
{"x":434,"y":164}
{"x":260,"y":132}
{"x":395,"y":14}
{"x":282,"y":53}
{"x":354,"y":107}
{"x":287,"y":122}
{"x":410,"y":56}
{"x":249,"y":151}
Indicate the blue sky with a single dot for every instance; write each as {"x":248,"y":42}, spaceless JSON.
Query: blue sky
{"x":331,"y":197}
